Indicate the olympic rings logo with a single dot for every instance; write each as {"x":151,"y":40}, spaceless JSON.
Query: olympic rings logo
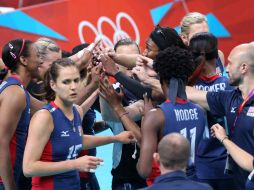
{"x":118,"y":32}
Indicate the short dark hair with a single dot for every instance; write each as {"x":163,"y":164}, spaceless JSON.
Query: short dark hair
{"x":174,"y":151}
{"x":174,"y":62}
{"x":165,"y":37}
{"x":78,"y":48}
{"x":125,"y":42}
{"x":13,"y":50}
{"x":205,"y":44}
{"x":53,"y":73}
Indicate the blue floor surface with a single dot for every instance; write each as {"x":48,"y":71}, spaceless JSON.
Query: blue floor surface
{"x":103,"y":173}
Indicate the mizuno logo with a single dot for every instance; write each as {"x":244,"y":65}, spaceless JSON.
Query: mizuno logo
{"x":233,"y":109}
{"x":65,"y":134}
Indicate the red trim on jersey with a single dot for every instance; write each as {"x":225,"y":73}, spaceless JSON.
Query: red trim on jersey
{"x":83,"y":175}
{"x":155,"y":173}
{"x":178,"y":100}
{"x":17,"y":77}
{"x":46,"y":182}
{"x":54,"y":104}
{"x":13,"y":152}
{"x":211,"y":78}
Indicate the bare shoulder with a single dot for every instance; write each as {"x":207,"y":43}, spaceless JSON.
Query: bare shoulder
{"x":154,"y":118}
{"x":42,"y":119}
{"x":13,"y":96}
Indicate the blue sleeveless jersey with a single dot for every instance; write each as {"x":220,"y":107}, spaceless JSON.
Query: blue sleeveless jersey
{"x":189,"y":120}
{"x":65,"y":143}
{"x":18,"y":141}
{"x":211,"y":155}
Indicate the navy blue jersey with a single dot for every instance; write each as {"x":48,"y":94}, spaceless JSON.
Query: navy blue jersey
{"x":211,"y":155}
{"x":227,"y":103}
{"x":18,"y":141}
{"x":250,"y":182}
{"x":189,"y":120}
{"x":219,"y":66}
{"x":87,"y":125}
{"x":176,"y":180}
{"x":65,"y":143}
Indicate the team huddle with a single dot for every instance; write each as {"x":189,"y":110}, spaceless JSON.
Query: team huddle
{"x":180,"y":118}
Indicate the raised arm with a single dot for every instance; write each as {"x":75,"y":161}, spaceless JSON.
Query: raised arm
{"x":197,"y":96}
{"x":13,"y":102}
{"x":126,"y":60}
{"x":109,"y":94}
{"x":91,"y":141}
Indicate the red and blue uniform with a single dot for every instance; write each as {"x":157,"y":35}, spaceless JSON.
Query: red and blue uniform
{"x":18,"y":141}
{"x":188,"y":119}
{"x":211,"y":155}
{"x":65,"y":143}
{"x":240,"y":119}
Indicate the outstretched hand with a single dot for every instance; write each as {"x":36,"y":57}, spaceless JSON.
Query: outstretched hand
{"x":144,"y":61}
{"x":108,"y":93}
{"x":126,"y":137}
{"x":109,"y":65}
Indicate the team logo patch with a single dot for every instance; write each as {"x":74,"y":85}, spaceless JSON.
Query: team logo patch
{"x":233,"y":109}
{"x":65,"y":134}
{"x":250,"y":112}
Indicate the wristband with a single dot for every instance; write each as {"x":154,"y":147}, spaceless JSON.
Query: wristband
{"x":80,"y":53}
{"x":221,"y":141}
{"x":123,"y":114}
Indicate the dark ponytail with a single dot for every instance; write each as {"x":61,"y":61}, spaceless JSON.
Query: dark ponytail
{"x":53,"y":73}
{"x":13,"y":50}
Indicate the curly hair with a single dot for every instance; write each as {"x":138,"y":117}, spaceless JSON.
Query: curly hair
{"x":174,"y":62}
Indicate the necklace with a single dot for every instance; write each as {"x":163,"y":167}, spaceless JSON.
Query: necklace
{"x":73,"y":126}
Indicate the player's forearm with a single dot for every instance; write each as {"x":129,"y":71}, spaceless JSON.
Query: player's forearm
{"x":90,"y":141}
{"x":89,"y":102}
{"x":126,"y":60}
{"x":127,"y":122}
{"x":6,"y":168}
{"x":40,"y":168}
{"x":85,"y":92}
{"x":197,"y":96}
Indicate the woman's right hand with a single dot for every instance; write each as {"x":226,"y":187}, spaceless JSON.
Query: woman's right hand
{"x":87,"y":163}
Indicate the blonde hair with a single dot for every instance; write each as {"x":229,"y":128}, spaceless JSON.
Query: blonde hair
{"x":190,"y":19}
{"x":45,"y":44}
